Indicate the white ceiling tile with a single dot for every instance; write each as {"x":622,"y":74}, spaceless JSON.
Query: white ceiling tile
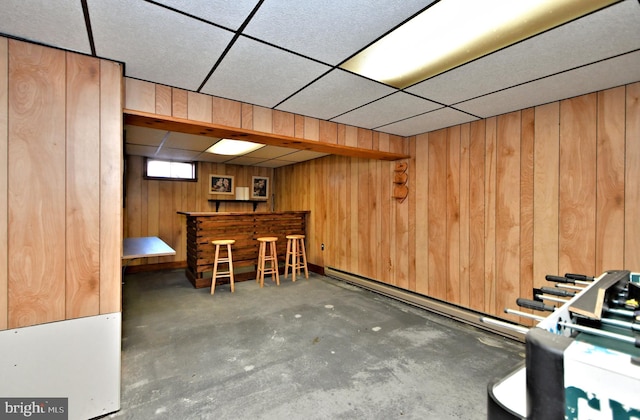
{"x":228,"y":13}
{"x":245,"y":160}
{"x":601,"y":35}
{"x":599,"y":76}
{"x":391,"y":108}
{"x":41,"y":21}
{"x":176,"y":154}
{"x":140,"y":150}
{"x":329,"y":30}
{"x":144,"y":135}
{"x":189,"y":141}
{"x":274,"y":163}
{"x":257,"y":73}
{"x":157,"y":44}
{"x":434,"y":120}
{"x":212,"y":157}
{"x":334,"y":94}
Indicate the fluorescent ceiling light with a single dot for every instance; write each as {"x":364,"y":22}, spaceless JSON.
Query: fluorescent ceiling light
{"x":233,"y":147}
{"x":453,"y":32}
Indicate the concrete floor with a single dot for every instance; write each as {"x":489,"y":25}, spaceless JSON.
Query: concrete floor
{"x":313,"y":349}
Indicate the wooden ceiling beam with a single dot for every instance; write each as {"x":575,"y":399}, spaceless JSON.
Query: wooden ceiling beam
{"x":180,"y":125}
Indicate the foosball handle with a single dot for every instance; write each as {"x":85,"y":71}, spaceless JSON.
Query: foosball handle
{"x":578,"y":277}
{"x":559,"y":279}
{"x":534,"y":304}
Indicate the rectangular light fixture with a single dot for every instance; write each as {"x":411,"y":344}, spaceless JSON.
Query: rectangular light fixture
{"x":454,"y":32}
{"x":233,"y":147}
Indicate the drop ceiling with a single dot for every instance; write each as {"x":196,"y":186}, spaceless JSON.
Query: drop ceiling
{"x":285,"y":55}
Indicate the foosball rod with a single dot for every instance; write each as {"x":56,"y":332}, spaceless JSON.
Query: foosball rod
{"x":518,"y":328}
{"x":601,"y":333}
{"x":622,"y":324}
{"x":524,"y":314}
{"x":551,"y":298}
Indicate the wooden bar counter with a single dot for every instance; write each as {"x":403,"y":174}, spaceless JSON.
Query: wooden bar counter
{"x":245,"y":228}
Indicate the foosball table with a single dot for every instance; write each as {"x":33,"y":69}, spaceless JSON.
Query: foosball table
{"x":583,"y":358}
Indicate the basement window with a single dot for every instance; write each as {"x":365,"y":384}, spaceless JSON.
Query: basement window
{"x":169,"y":170}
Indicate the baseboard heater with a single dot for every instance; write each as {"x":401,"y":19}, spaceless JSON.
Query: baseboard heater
{"x":439,"y":307}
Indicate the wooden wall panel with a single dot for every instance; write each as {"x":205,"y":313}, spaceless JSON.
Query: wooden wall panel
{"x":476,"y":214}
{"x":577,"y":196}
{"x":437,"y":212}
{"x":61,"y":148}
{"x":83,"y":187}
{"x":610,"y":179}
{"x":36,"y":185}
{"x":453,"y":214}
{"x":4,"y":150}
{"x":490,"y":217}
{"x":140,"y":95}
{"x":632,"y":175}
{"x":179,"y":103}
{"x":421,"y":191}
{"x":526,"y":203}
{"x":507,"y":231}
{"x":163,"y":100}
{"x":465,"y":217}
{"x":199,"y":107}
{"x":111,"y":194}
{"x":546,"y":180}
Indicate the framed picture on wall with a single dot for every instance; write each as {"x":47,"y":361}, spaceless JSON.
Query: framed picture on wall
{"x":221,"y":184}
{"x":259,"y":187}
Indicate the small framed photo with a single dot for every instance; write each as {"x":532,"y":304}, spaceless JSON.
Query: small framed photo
{"x":260,"y":187}
{"x":221,"y":184}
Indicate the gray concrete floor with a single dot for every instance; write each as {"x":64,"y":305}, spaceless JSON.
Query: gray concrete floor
{"x":313,"y":349}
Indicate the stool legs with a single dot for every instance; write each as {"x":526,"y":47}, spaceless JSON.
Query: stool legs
{"x":271,"y":257}
{"x":296,"y":257}
{"x":222,"y":260}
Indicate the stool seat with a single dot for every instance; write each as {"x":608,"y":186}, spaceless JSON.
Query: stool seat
{"x":296,"y":257}
{"x":222,"y":260}
{"x":267,"y":242}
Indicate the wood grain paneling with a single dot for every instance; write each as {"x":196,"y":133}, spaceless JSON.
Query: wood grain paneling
{"x":507,"y":231}
{"x":610,"y":178}
{"x":453,"y":214}
{"x":110,"y":187}
{"x":179,"y":103}
{"x":476,"y":214}
{"x":577,"y":195}
{"x":437,"y":212}
{"x":140,"y":95}
{"x":490,"y":217}
{"x":464,"y":217}
{"x":199,"y":107}
{"x":527,"y":141}
{"x":4,"y":150}
{"x":421,"y":191}
{"x":82,"y":187}
{"x":163,"y":100}
{"x":36,"y":186}
{"x":632,"y":177}
{"x":545,"y":192}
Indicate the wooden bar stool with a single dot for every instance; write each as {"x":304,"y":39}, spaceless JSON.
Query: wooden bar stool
{"x":224,"y":260}
{"x":263,"y":257}
{"x":296,"y":256}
